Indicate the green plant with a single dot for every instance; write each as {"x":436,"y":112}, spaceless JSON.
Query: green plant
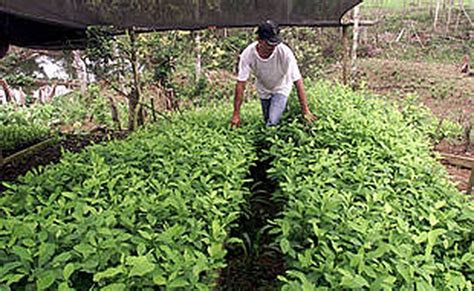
{"x":18,"y":136}
{"x":150,"y":211}
{"x":368,"y":207}
{"x":423,"y":121}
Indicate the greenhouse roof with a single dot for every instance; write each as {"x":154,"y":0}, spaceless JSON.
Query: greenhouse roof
{"x":58,"y":24}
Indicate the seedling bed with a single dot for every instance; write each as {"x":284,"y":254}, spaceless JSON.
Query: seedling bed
{"x":50,"y":153}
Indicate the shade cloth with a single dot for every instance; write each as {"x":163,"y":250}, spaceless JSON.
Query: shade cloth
{"x":62,"y":23}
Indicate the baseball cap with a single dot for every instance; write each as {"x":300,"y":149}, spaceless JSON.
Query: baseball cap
{"x":269,"y":32}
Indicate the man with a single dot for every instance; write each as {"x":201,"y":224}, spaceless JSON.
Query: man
{"x":275,"y":68}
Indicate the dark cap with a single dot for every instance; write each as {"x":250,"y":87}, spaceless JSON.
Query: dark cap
{"x":269,"y":32}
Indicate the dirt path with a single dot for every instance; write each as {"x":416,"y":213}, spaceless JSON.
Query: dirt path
{"x":256,"y":264}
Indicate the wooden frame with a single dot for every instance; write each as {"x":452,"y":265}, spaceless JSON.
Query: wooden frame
{"x":464,"y":162}
{"x":29,"y":150}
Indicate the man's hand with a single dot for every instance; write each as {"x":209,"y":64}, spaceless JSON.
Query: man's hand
{"x":309,"y":117}
{"x":235,"y":121}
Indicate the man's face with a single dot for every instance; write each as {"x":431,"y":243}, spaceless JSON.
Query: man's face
{"x":266,"y":47}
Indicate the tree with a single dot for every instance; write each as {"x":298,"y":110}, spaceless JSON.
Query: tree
{"x":115,"y":61}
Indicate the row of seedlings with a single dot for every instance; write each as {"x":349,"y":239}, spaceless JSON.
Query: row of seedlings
{"x":367,"y":204}
{"x":154,"y":210}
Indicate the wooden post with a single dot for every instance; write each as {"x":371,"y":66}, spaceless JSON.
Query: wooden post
{"x":470,"y":185}
{"x":355,"y":40}
{"x":153,"y":111}
{"x":345,"y":54}
{"x":197,"y":49}
{"x":465,"y":162}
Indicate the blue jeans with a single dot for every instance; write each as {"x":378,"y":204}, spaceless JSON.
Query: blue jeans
{"x":273,"y":108}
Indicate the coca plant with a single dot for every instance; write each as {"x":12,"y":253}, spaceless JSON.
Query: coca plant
{"x":368,"y":207}
{"x":151,"y":211}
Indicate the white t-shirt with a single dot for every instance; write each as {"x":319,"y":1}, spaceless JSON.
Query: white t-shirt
{"x":275,"y":75}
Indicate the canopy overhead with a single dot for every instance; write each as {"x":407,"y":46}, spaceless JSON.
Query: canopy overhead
{"x":58,"y":24}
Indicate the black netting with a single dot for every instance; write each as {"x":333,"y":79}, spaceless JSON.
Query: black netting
{"x":56,"y":23}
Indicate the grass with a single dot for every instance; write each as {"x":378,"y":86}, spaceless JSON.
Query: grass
{"x":397,"y":4}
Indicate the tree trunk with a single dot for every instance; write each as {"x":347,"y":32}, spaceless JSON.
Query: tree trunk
{"x":463,"y":10}
{"x":7,"y":90}
{"x":114,"y":112}
{"x":135,"y":116}
{"x":435,"y":22}
{"x":448,"y":21}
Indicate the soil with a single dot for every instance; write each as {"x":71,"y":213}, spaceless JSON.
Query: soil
{"x":441,"y":87}
{"x":51,"y":153}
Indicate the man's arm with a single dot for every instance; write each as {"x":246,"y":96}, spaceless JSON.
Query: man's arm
{"x":238,"y":99}
{"x":304,"y":101}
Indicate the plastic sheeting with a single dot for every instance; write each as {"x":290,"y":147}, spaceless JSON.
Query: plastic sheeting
{"x":62,"y":23}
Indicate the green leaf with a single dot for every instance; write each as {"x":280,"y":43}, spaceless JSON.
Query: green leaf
{"x":423,"y":286}
{"x":140,"y":266}
{"x":84,"y":249}
{"x":109,"y":273}
{"x":440,"y":204}
{"x":379,"y":252}
{"x":114,"y":287}
{"x":217,"y":232}
{"x":64,"y":287}
{"x":421,"y":238}
{"x":405,"y":272}
{"x":178,"y":283}
{"x":159,"y":280}
{"x":215,"y":250}
{"x":62,"y":258}
{"x":45,"y":280}
{"x":433,"y":219}
{"x":68,"y":270}
{"x":13,"y":278}
{"x":467,"y":258}
{"x":5,"y":269}
{"x":45,"y":252}
{"x":434,"y":234}
{"x":306,"y":285}
{"x":354,"y":281}
{"x":145,"y":235}
{"x":23,"y":253}
{"x":285,"y":246}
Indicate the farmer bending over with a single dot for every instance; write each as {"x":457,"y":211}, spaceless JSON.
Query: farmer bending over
{"x":275,"y":68}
